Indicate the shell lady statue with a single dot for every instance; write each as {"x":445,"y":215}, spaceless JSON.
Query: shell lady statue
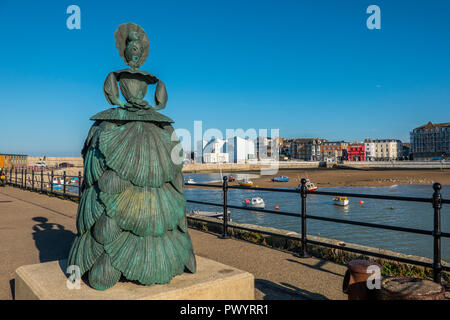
{"x":131,"y":219}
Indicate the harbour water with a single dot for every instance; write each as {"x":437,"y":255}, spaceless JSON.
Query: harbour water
{"x":396,"y":213}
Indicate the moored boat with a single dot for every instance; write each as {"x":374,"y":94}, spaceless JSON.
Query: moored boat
{"x":256,"y":202}
{"x":310,"y":186}
{"x":341,"y":201}
{"x":280,"y":179}
{"x":209,"y":214}
{"x":190,"y":181}
{"x":245,"y":183}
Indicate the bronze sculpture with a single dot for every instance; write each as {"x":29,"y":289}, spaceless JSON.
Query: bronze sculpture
{"x":131,"y":219}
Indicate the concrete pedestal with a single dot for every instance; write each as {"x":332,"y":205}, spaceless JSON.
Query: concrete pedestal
{"x":213,"y":281}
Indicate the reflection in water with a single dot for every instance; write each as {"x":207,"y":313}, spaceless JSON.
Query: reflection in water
{"x":396,"y":213}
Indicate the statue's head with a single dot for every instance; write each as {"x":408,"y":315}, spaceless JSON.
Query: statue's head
{"x":132,"y":43}
{"x":134,"y":49}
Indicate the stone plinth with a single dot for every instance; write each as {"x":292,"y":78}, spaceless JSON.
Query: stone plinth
{"x":213,"y":281}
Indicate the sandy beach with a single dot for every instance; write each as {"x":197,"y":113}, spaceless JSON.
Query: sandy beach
{"x":345,"y":177}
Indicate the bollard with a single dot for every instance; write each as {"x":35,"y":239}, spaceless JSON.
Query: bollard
{"x":355,"y":280}
{"x":402,"y":288}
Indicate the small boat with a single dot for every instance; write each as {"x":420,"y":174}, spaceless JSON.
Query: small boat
{"x":231,"y":179}
{"x":280,"y":179}
{"x":254,"y":203}
{"x":57,"y":184}
{"x":310,"y":186}
{"x":74,"y":180}
{"x":210,"y":214}
{"x":190,"y":181}
{"x":341,"y":201}
{"x":245,"y":183}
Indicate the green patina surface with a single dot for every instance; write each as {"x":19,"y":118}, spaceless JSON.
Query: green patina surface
{"x":131,"y":218}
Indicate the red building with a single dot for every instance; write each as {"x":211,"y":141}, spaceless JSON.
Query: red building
{"x":356,"y":152}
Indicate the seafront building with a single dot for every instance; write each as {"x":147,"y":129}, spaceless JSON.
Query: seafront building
{"x":431,"y":141}
{"x":333,"y":151}
{"x":383,"y":149}
{"x":356,"y":152}
{"x":308,"y":149}
{"x":240,"y":150}
{"x":11,"y":161}
{"x":215,"y":151}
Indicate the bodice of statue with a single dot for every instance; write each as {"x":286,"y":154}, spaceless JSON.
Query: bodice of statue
{"x":132,"y":86}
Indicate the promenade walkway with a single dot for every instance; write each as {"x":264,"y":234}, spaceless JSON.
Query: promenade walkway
{"x":36,"y":228}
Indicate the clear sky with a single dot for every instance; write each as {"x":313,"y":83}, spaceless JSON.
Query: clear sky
{"x":310,"y":68}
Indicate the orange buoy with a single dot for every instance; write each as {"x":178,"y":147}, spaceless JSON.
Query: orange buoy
{"x":361,"y":202}
{"x":277,"y":207}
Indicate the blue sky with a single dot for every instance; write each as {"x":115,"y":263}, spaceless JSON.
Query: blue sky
{"x":308,"y":68}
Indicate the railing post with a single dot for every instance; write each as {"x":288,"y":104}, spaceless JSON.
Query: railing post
{"x":225,"y":209}
{"x":51,"y":182}
{"x":42,"y":180}
{"x":23,"y":178}
{"x":304,"y":251}
{"x":437,"y":205}
{"x":64,"y":182}
{"x":79,"y":184}
{"x":32,"y":179}
{"x":16,"y":176}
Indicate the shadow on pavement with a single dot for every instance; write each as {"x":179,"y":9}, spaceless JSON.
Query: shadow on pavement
{"x":52,"y":240}
{"x":285,"y":291}
{"x":317,"y":266}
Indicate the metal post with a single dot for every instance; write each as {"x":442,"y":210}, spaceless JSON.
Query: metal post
{"x":225,"y":209}
{"x":303,"y":252}
{"x":51,"y":182}
{"x":22,"y":178}
{"x":79,"y":184}
{"x":16,"y":176}
{"x":64,"y":182}
{"x":32,"y":179}
{"x":42,"y":180}
{"x":437,"y":205}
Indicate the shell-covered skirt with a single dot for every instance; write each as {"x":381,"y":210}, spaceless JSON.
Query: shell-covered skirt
{"x":131,"y":218}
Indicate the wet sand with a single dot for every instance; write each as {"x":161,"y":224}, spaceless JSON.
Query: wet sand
{"x":350,"y":178}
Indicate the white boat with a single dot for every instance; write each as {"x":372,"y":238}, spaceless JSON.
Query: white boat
{"x":210,"y":214}
{"x":310,"y":186}
{"x":190,"y":181}
{"x":256,"y":202}
{"x":341,"y":201}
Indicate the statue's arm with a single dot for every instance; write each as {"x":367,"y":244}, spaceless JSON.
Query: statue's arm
{"x":160,"y":96}
{"x":111,"y":90}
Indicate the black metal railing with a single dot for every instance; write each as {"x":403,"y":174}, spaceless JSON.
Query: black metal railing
{"x":38,"y":182}
{"x":49,"y":182}
{"x":435,"y":200}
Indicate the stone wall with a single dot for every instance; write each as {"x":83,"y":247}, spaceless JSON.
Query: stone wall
{"x":55,"y":161}
{"x":239,"y":167}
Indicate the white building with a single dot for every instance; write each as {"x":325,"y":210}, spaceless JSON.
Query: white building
{"x":215,"y":152}
{"x":240,"y":150}
{"x":369,"y":147}
{"x":383,"y":150}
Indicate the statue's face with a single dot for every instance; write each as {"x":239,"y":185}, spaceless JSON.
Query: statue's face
{"x":133,"y":53}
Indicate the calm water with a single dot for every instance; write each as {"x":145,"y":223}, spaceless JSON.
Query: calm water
{"x":396,"y":213}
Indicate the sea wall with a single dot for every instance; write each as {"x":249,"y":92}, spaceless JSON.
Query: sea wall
{"x":291,"y":241}
{"x":240,"y":167}
{"x":55,"y":161}
{"x":394,"y":165}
